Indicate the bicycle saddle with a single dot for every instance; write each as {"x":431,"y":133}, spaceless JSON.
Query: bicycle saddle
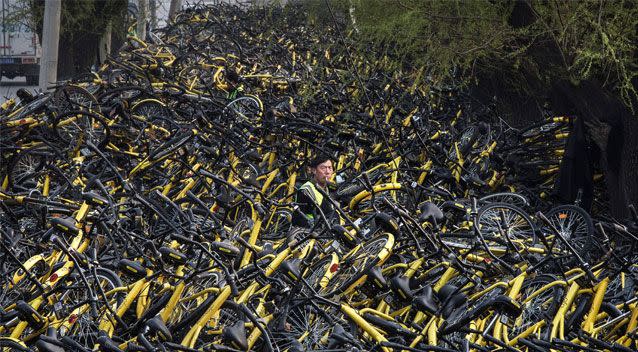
{"x":157,"y":327}
{"x":387,"y":223}
{"x":425,"y":301}
{"x":25,"y":96}
{"x":30,"y":315}
{"x":451,"y":298}
{"x":65,"y":224}
{"x":375,"y":277}
{"x":133,"y":268}
{"x":339,"y":337}
{"x":292,"y":268}
{"x":173,"y":256}
{"x":387,"y":325}
{"x":49,"y":344}
{"x":225,"y":248}
{"x":430,"y":212}
{"x":401,"y":285}
{"x":236,"y":335}
{"x":507,"y":306}
{"x":107,"y":345}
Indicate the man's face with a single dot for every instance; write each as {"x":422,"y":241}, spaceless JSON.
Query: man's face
{"x":323,"y":172}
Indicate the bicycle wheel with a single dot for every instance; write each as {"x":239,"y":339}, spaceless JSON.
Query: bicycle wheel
{"x":496,"y":219}
{"x":539,"y":303}
{"x":576,"y":226}
{"x":316,"y":272}
{"x":465,"y":141}
{"x":621,"y":288}
{"x":160,"y":124}
{"x":73,"y":98}
{"x":359,"y":260}
{"x":243,"y":109}
{"x":309,"y":327}
{"x":193,"y":303}
{"x":83,"y":324}
{"x":505,"y":197}
{"x":278,"y":225}
{"x":25,"y":169}
{"x":227,"y":327}
{"x":75,"y":128}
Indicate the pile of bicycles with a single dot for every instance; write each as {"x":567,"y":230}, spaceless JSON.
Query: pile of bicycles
{"x":148,"y":206}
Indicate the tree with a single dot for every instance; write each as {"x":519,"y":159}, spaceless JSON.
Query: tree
{"x":84,"y":22}
{"x":572,"y":57}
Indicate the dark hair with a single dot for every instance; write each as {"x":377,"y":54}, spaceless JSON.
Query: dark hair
{"x":318,"y":159}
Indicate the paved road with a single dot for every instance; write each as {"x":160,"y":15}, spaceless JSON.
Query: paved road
{"x":8,"y":87}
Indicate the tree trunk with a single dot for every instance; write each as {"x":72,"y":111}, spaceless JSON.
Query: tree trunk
{"x":175,"y":6}
{"x":152,"y":5}
{"x":614,"y":131}
{"x":141,"y":19}
{"x":105,"y":43}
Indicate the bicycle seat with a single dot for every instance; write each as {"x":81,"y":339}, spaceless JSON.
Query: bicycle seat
{"x":430,"y":212}
{"x":295,"y":346}
{"x":387,"y":223}
{"x":442,"y":173}
{"x":7,"y":316}
{"x":157,"y":327}
{"x":172,"y":256}
{"x":133,"y":268}
{"x":225,"y":248}
{"x":401,"y":285}
{"x":65,"y":224}
{"x":339,"y":337}
{"x":24,"y":95}
{"x":387,"y":325}
{"x":291,"y":268}
{"x":108,"y":345}
{"x":340,"y":232}
{"x":375,"y":277}
{"x":452,"y":299}
{"x":425,"y":301}
{"x":507,"y":306}
{"x":236,"y":335}
{"x":94,"y":199}
{"x":49,"y":344}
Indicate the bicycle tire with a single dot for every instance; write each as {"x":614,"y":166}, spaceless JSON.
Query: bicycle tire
{"x":86,"y":327}
{"x":515,"y":221}
{"x":577,"y":228}
{"x":537,"y":306}
{"x":307,"y":327}
{"x":505,"y":197}
{"x":68,"y":129}
{"x":369,"y":253}
{"x":316,"y":272}
{"x":72,"y":97}
{"x":243,"y":109}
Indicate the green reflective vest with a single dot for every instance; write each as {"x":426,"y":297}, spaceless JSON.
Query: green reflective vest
{"x":312,"y":191}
